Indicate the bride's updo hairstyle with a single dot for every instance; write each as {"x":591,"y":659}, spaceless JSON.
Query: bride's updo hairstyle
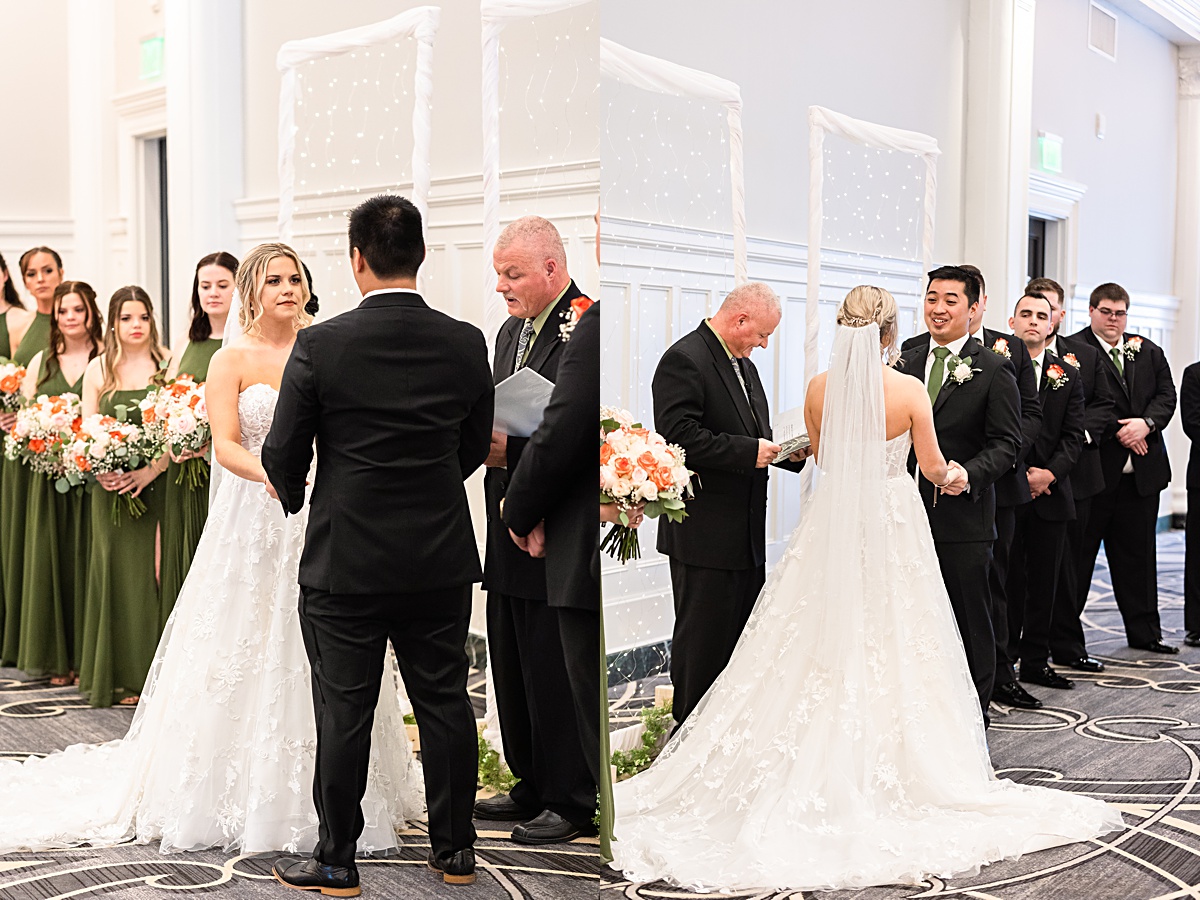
{"x":866,"y":304}
{"x":252,"y":275}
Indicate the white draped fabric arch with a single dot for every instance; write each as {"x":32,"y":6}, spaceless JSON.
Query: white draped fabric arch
{"x":661,"y":76}
{"x":420,"y":23}
{"x":822,"y":121}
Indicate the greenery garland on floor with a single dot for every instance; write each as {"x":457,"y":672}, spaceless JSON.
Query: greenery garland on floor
{"x":657,"y":722}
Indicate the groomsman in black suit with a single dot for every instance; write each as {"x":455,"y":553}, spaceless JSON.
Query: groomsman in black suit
{"x":550,"y":510}
{"x":399,"y":399}
{"x":977,"y":416}
{"x":527,"y":618}
{"x":1189,"y":407}
{"x":1136,"y":469}
{"x":1067,"y":645}
{"x":1012,"y":491}
{"x":709,"y":399}
{"x":1041,"y":526}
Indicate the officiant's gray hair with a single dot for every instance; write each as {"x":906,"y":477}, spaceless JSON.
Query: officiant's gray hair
{"x":867,"y":303}
{"x":753,"y":295}
{"x":539,"y":233}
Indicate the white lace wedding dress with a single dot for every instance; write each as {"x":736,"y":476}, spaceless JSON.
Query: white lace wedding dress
{"x":221,"y":750}
{"x":843,"y":746}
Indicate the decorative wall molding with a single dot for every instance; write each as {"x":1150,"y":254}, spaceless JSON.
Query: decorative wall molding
{"x":1189,"y":76}
{"x":143,"y":101}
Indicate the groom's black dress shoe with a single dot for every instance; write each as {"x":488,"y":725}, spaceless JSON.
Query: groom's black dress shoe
{"x":1046,"y":677}
{"x":1156,"y":647}
{"x":502,"y":808}
{"x":310,"y":875}
{"x":457,"y":868}
{"x":1012,"y":694}
{"x":1082,"y":664}
{"x":548,"y":828}
{"x":1192,"y":639}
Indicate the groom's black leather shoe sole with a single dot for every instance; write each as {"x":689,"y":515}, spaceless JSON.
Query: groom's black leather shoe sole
{"x":1046,"y":677}
{"x":502,"y":808}
{"x":1012,"y":694}
{"x":457,"y":868}
{"x":548,"y":828}
{"x":310,"y":875}
{"x":1156,"y":647}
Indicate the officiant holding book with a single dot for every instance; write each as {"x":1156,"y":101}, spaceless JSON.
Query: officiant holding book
{"x":554,"y":799}
{"x":709,"y":399}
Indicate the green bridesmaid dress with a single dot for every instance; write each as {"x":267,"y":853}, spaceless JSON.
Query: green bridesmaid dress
{"x":5,"y":352}
{"x":55,"y":565}
{"x":121,"y":618}
{"x":186,"y":510}
{"x":15,"y":480}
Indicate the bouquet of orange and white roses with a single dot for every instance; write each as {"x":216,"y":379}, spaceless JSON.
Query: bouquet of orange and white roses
{"x":11,"y":376}
{"x":177,"y":417}
{"x":42,"y":430}
{"x":103,"y":445}
{"x":638,"y":466}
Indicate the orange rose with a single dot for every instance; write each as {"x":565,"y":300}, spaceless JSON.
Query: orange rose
{"x":37,"y":445}
{"x":192,"y":403}
{"x":77,"y":425}
{"x":116,"y":435}
{"x":623,"y":466}
{"x":580,"y":305}
{"x":662,"y":478}
{"x":105,"y":421}
{"x":647,"y":461}
{"x":148,"y":416}
{"x":606,"y":453}
{"x":178,"y":390}
{"x":83,"y":464}
{"x":9,"y":384}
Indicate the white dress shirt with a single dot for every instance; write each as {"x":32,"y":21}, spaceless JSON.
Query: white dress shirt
{"x":389,"y":291}
{"x":955,"y":350}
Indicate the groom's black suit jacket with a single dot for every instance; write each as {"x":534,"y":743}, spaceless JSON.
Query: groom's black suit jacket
{"x":699,"y":404}
{"x":507,"y":568}
{"x":1060,"y":439}
{"x":555,"y":481}
{"x":399,"y":399}
{"x":1146,"y":390}
{"x":978,"y":424}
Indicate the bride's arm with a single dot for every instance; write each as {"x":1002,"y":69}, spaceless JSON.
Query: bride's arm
{"x":924,"y":436}
{"x":221,"y":397}
{"x":814,"y":408}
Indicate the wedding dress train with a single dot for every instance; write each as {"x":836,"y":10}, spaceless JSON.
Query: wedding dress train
{"x":843,"y":746}
{"x":221,"y":749}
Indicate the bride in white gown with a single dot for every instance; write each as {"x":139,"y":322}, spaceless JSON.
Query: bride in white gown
{"x":843,"y":746}
{"x":221,"y":749}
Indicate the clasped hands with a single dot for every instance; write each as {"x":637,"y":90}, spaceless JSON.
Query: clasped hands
{"x":1132,"y":435}
{"x":767,"y":451}
{"x":956,"y":480}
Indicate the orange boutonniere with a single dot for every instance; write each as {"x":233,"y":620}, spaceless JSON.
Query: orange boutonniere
{"x":579,"y":306}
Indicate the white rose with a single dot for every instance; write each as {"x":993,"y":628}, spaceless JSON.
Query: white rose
{"x":622,"y":488}
{"x":21,"y":429}
{"x":962,"y":372}
{"x":648,"y":491}
{"x":201,"y":409}
{"x":185,"y":423}
{"x":608,"y":478}
{"x":638,"y":477}
{"x":96,"y":451}
{"x":102,"y":439}
{"x":680,"y":476}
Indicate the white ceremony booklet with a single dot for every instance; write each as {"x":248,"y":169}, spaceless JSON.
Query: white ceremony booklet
{"x":789,"y":433}
{"x":521,"y":399}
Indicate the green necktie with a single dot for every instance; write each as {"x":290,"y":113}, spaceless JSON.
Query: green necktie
{"x":938,"y":373}
{"x":1115,"y":353}
{"x":1037,"y":372}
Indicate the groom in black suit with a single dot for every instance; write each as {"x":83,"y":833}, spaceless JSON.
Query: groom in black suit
{"x":976,"y":413}
{"x":534,"y":625}
{"x":1134,"y":459}
{"x":399,"y":399}
{"x":709,"y":399}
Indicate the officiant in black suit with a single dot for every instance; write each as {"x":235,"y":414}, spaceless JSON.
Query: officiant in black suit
{"x":399,"y":397}
{"x":555,"y":796}
{"x":977,"y":416}
{"x":1068,"y":646}
{"x":1041,"y":526}
{"x":709,"y":399}
{"x":1134,"y":459}
{"x":1012,"y":489}
{"x":550,"y":510}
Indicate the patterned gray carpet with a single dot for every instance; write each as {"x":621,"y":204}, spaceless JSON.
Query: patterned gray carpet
{"x":1130,"y":736}
{"x":36,"y":719}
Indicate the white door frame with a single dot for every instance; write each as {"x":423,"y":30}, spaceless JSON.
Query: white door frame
{"x":141,"y":116}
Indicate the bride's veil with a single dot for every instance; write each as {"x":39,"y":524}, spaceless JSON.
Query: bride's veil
{"x":853,"y":420}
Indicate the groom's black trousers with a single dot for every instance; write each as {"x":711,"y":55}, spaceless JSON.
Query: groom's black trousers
{"x":346,"y":638}
{"x":965,"y":568}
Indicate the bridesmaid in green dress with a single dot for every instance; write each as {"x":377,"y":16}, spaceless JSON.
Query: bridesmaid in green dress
{"x":121,"y":618}
{"x":56,"y":533}
{"x":187,"y":509}
{"x":41,"y":269}
{"x":14,"y":320}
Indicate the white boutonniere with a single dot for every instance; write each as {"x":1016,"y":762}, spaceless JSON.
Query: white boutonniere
{"x":1001,"y":347}
{"x":960,"y":369}
{"x":1133,"y":346}
{"x":1070,"y":359}
{"x":1056,"y":376}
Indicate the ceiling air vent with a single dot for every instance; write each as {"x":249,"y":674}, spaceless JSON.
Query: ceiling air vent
{"x":1102,"y":31}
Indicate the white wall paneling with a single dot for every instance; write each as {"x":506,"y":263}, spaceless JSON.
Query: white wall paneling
{"x":140,"y":115}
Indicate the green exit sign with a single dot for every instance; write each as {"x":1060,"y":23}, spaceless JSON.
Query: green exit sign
{"x":152,"y":59}
{"x":1050,"y":152}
